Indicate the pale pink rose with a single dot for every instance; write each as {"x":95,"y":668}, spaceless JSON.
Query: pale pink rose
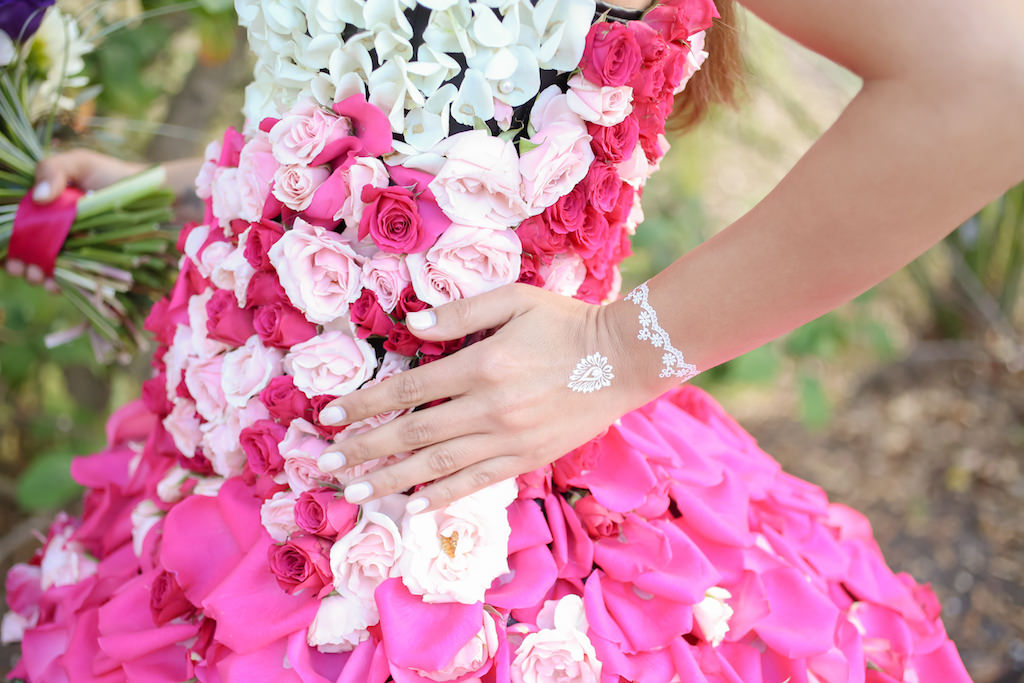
{"x":474,"y":260}
{"x":222,"y":439}
{"x":604,"y":105}
{"x":564,"y":274}
{"x":208,"y":486}
{"x":364,"y":171}
{"x":319,"y":271}
{"x":344,"y":475}
{"x":695,"y":58}
{"x":479,"y":182}
{"x":300,"y":136}
{"x":560,"y":650}
{"x":454,"y":554}
{"x":368,"y":554}
{"x":247,"y":370}
{"x":204,"y":179}
{"x":202,"y":345}
{"x":557,"y":164}
{"x":176,"y":358}
{"x":712,"y":615}
{"x":386,"y":275}
{"x":14,"y":625}
{"x":333,"y":363}
{"x":195,"y":240}
{"x":300,"y":448}
{"x":636,"y":215}
{"x":551,"y":107}
{"x":476,"y":652}
{"x":234,"y":272}
{"x":636,"y":169}
{"x":65,"y":561}
{"x":182,"y":423}
{"x":144,"y":517}
{"x":341,"y":622}
{"x":392,"y":364}
{"x":502,"y":114}
{"x":168,"y":489}
{"x":227,"y":195}
{"x":278,"y":515}
{"x":256,"y":169}
{"x":615,"y":288}
{"x":213,"y":254}
{"x":203,"y":379}
{"x":294,"y":185}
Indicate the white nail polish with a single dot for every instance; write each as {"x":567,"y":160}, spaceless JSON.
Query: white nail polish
{"x":332,"y":415}
{"x":416,"y":506}
{"x":15,"y":267}
{"x":331,"y":461}
{"x":41,"y":191}
{"x":34,"y":274}
{"x":358,"y":492}
{"x":420,"y":320}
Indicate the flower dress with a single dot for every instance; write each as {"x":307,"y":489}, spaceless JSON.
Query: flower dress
{"x":398,"y":155}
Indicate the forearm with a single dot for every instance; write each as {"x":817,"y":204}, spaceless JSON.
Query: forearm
{"x":906,"y":163}
{"x":181,"y":174}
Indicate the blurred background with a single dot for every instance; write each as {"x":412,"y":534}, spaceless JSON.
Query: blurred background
{"x":907,"y":403}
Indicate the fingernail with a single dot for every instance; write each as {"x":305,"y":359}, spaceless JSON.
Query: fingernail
{"x":358,"y":492}
{"x":15,"y":267}
{"x":41,"y":191}
{"x":416,"y":506}
{"x":34,"y":274}
{"x":332,"y":415}
{"x":420,"y":320}
{"x":331,"y":461}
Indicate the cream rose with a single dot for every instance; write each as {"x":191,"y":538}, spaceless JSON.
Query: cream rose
{"x":340,"y":623}
{"x":333,"y":363}
{"x":465,"y":261}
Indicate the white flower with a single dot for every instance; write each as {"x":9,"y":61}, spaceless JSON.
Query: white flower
{"x":448,"y":27}
{"x":208,"y":486}
{"x":560,"y":650}
{"x":368,"y":554}
{"x":475,"y":100}
{"x":562,"y":27}
{"x":65,"y":561}
{"x":7,"y":54}
{"x":144,"y":517}
{"x":14,"y":625}
{"x":61,"y":46}
{"x":168,"y":489}
{"x":712,"y":614}
{"x":247,"y":370}
{"x":455,"y":554}
{"x":341,"y":622}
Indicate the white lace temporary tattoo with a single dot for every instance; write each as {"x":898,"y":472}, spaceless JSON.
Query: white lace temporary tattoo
{"x":672,"y":362}
{"x":593,"y":372}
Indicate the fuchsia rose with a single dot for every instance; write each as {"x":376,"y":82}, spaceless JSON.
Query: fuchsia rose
{"x":599,"y":521}
{"x":604,"y":105}
{"x":555,"y":166}
{"x":400,"y":340}
{"x":317,"y":404}
{"x":284,"y":401}
{"x":479,"y":182}
{"x":280,"y":324}
{"x":319,"y":271}
{"x":591,"y":238}
{"x":407,"y":301}
{"x":566,"y":215}
{"x":386,"y":275}
{"x":309,"y":135}
{"x":225,"y":321}
{"x":539,"y":236}
{"x":261,"y":237}
{"x":614,"y":143}
{"x":391,"y":219}
{"x":325,"y":512}
{"x":603,"y":187}
{"x":325,"y":208}
{"x":264,"y":288}
{"x":681,"y":20}
{"x":370,"y":128}
{"x":464,"y":262}
{"x":260,"y":444}
{"x":166,"y":599}
{"x":611,"y":55}
{"x":332,"y":363}
{"x":294,"y":185}
{"x":247,"y":370}
{"x":301,"y":563}
{"x":369,"y":318}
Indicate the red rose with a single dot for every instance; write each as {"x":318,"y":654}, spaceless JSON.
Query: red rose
{"x":566,"y":215}
{"x":392,"y":220}
{"x":225,"y":321}
{"x":259,"y":442}
{"x":611,"y":55}
{"x":258,"y":242}
{"x":368,"y":317}
{"x":614,"y":143}
{"x":603,"y":187}
{"x":284,"y":401}
{"x":282,"y":325}
{"x":316,"y":404}
{"x":264,"y":288}
{"x":402,"y":341}
{"x":540,"y":239}
{"x":302,"y":562}
{"x":408,"y":302}
{"x":589,"y":239}
{"x":325,"y":512}
{"x":166,"y":599}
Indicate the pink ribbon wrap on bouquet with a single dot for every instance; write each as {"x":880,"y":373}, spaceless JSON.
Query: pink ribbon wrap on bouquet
{"x":40,"y":230}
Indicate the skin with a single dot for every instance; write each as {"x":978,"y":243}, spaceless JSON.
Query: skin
{"x":933,"y":135}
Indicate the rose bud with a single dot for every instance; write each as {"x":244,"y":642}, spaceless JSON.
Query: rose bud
{"x":166,"y":599}
{"x":325,"y":512}
{"x":284,"y":401}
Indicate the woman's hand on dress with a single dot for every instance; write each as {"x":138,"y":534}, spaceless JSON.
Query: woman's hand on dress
{"x":511,"y":409}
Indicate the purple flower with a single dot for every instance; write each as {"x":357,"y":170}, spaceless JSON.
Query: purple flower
{"x":19,"y":19}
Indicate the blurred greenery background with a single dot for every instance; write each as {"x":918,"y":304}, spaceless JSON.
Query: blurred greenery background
{"x":171,"y":81}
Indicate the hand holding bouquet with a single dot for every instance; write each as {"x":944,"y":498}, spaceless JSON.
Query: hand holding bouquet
{"x":104,"y":250}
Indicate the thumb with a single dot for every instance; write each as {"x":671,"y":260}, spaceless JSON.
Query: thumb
{"x":466,"y":316}
{"x":51,"y":180}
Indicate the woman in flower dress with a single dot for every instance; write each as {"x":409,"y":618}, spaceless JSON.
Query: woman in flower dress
{"x":403,"y":427}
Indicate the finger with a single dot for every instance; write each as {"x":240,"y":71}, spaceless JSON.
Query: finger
{"x":444,"y":378}
{"x":52,"y":177}
{"x":474,"y":314}
{"x":466,"y":481}
{"x":407,"y":433}
{"x":426,"y":465}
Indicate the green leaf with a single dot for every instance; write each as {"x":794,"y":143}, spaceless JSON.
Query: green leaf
{"x":815,"y":408}
{"x":46,"y":483}
{"x":526,"y":145}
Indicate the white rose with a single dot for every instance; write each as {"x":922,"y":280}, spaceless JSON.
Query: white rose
{"x":712,"y":614}
{"x":455,"y":554}
{"x":168,"y":489}
{"x":248,"y":369}
{"x":144,"y":517}
{"x":340,"y":623}
{"x":65,"y":561}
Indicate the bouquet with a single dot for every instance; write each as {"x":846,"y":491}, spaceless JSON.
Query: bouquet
{"x":105,"y":250}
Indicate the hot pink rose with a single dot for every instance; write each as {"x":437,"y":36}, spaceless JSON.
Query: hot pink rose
{"x":308,"y":132}
{"x":464,"y":262}
{"x":294,"y":185}
{"x":542,"y":238}
{"x":604,"y":105}
{"x":614,"y":143}
{"x":325,"y":512}
{"x":479,"y":183}
{"x":391,"y":219}
{"x":283,"y":400}
{"x":678,"y":21}
{"x":603,"y":187}
{"x":225,"y":321}
{"x":558,"y":162}
{"x":261,"y":237}
{"x":317,"y":404}
{"x":332,"y":363}
{"x":319,"y":271}
{"x":566,"y":215}
{"x":370,"y":126}
{"x":611,"y":55}
{"x":264,"y":289}
{"x":260,"y":444}
{"x":301,"y":563}
{"x":369,"y":318}
{"x":166,"y":599}
{"x":325,"y":208}
{"x":400,"y":340}
{"x":599,"y":521}
{"x":282,"y":325}
{"x":386,"y":275}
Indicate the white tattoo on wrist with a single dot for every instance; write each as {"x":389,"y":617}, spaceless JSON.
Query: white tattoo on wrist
{"x":672,"y":362}
{"x":592,"y":373}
